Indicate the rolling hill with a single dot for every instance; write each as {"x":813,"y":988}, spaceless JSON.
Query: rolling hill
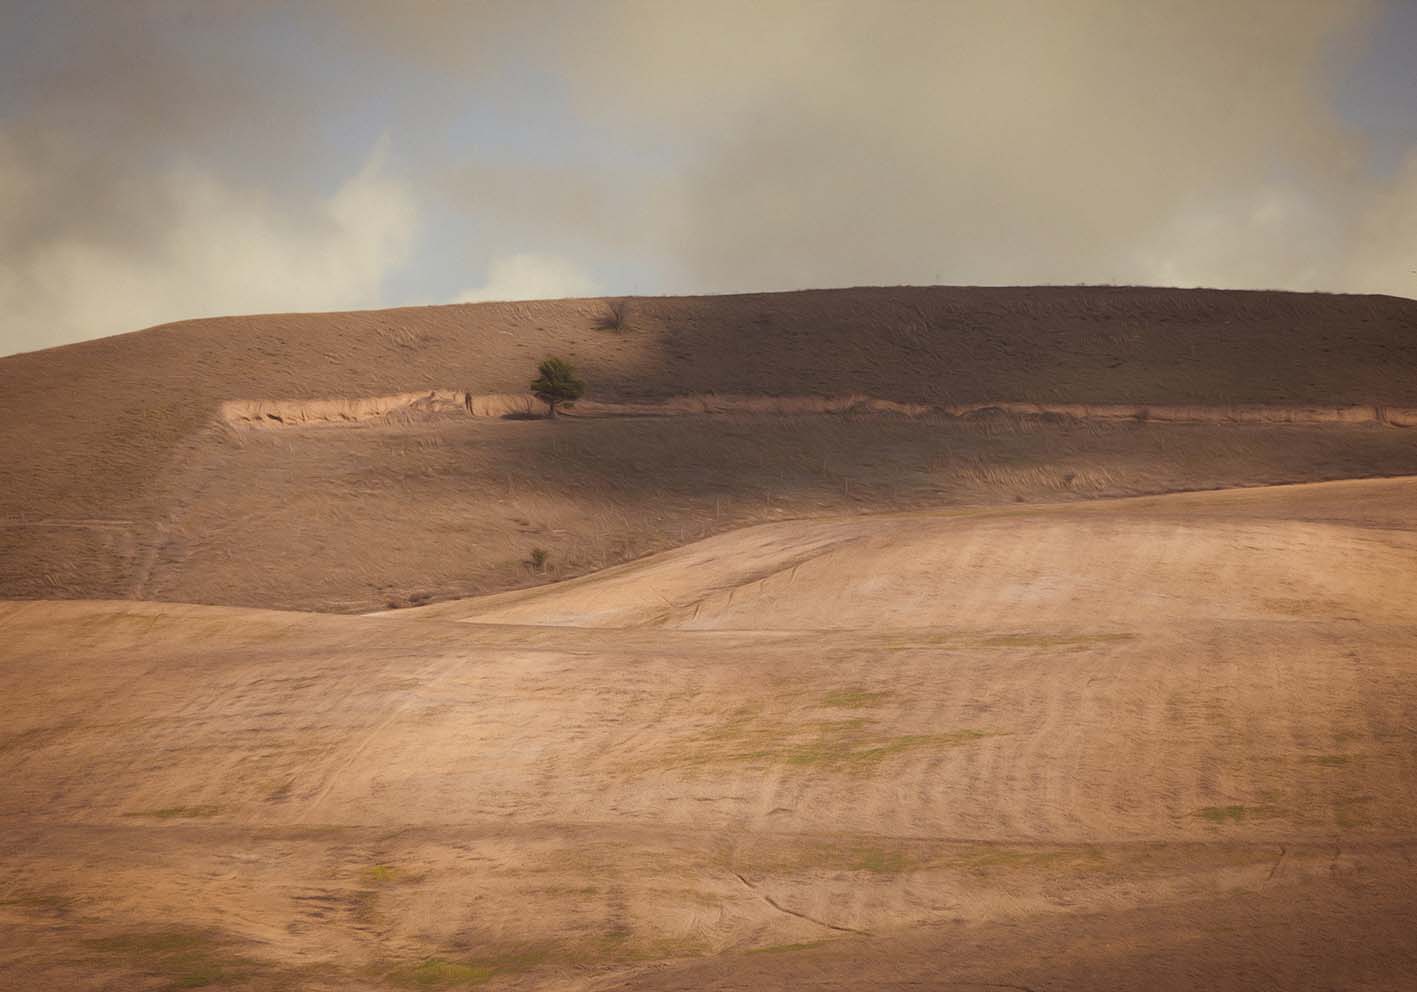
{"x":1164,"y":742}
{"x":1037,"y":638}
{"x":148,"y":465}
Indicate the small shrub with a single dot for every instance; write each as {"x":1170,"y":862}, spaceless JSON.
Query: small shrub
{"x":538,"y":558}
{"x":616,"y":314}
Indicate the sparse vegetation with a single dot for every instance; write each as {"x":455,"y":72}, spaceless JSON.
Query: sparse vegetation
{"x":990,"y":858}
{"x":538,"y":558}
{"x":557,"y":384}
{"x":182,"y":959}
{"x":1222,"y":814}
{"x":383,"y":874}
{"x":442,"y":973}
{"x":435,"y":973}
{"x":178,"y":812}
{"x":1349,"y":812}
{"x":1236,"y":814}
{"x":880,"y":861}
{"x":615,"y":316}
{"x":855,"y":746}
{"x":842,"y":751}
{"x":852,"y":699}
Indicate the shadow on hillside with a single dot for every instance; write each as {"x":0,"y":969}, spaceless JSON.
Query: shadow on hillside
{"x":345,"y":518}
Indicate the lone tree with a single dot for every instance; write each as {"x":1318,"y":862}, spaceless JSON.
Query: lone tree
{"x":557,"y":384}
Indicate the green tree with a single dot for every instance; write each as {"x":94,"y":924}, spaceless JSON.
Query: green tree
{"x":557,"y":385}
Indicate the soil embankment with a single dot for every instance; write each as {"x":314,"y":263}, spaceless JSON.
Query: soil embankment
{"x":295,"y":412}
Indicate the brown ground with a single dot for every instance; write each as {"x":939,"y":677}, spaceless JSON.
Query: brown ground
{"x":1018,"y":733}
{"x":1165,"y":742}
{"x":119,"y":477}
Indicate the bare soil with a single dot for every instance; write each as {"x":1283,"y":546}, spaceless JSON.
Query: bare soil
{"x":1151,"y":742}
{"x":894,"y":693}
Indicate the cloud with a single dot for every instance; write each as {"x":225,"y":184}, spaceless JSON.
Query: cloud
{"x":529,"y":276}
{"x":1009,"y":142}
{"x":1270,"y":236}
{"x":157,"y":162}
{"x":837,"y":143}
{"x":209,"y":247}
{"x":1385,"y":256}
{"x":156,"y":165}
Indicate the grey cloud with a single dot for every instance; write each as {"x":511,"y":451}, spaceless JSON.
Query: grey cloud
{"x":759,"y":145}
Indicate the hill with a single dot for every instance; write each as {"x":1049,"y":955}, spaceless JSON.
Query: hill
{"x":1147,"y":743}
{"x":132,"y":466}
{"x":873,"y":638}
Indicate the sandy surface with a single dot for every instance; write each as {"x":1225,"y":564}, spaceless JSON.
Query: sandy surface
{"x":1147,"y":743}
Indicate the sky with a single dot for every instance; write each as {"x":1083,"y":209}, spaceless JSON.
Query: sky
{"x":161,"y":160}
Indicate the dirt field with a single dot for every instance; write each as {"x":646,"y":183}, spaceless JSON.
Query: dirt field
{"x":1053,"y":640}
{"x":1162,"y":742}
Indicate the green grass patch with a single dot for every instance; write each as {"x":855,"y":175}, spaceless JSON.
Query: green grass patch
{"x":182,"y":959}
{"x":381,"y":874}
{"x":738,"y":724}
{"x":177,"y":812}
{"x":850,"y":745}
{"x":443,"y":973}
{"x":844,"y":853}
{"x":436,"y":973}
{"x":885,"y":856}
{"x":990,"y":858}
{"x":1351,"y":812}
{"x":1222,"y":815}
{"x":920,"y":639}
{"x":880,"y":861}
{"x":621,"y":947}
{"x":854,"y":698}
{"x":846,"y":750}
{"x":1328,"y":760}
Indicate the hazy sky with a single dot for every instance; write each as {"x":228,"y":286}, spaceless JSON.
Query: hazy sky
{"x":161,"y":160}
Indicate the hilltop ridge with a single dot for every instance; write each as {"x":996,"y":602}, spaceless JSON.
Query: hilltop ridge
{"x":120,"y":469}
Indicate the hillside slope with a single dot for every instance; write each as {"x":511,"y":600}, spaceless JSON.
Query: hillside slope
{"x":118,"y":478}
{"x":1160,"y":743}
{"x":1339,"y":549}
